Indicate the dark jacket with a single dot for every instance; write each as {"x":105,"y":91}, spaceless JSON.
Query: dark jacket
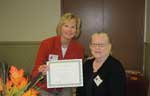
{"x":112,"y":75}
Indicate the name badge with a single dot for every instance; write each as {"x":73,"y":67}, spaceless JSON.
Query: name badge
{"x":52,"y":57}
{"x":98,"y":80}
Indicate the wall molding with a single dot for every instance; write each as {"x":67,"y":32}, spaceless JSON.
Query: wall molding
{"x":19,"y":42}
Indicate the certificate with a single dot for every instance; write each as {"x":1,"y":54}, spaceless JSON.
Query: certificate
{"x":65,"y":73}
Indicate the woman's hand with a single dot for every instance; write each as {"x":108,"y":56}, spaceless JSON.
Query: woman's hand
{"x":43,"y":68}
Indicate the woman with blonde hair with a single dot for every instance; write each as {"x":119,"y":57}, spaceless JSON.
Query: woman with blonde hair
{"x":62,"y":46}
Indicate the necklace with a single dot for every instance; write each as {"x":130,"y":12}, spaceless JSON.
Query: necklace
{"x":64,"y":45}
{"x":96,"y":66}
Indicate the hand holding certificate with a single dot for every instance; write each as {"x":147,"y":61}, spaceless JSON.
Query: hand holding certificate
{"x":65,"y":73}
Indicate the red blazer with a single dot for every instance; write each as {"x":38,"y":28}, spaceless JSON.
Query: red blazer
{"x":53,"y":46}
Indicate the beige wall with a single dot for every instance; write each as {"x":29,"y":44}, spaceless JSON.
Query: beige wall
{"x":147,"y":21}
{"x":147,"y":60}
{"x":147,"y":41}
{"x":23,"y":23}
{"x":20,"y":54}
{"x":28,"y":20}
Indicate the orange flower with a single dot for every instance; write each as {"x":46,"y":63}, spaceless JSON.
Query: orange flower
{"x":16,"y":75}
{"x":23,"y":83}
{"x":17,"y":84}
{"x":9,"y":84}
{"x":31,"y":92}
{"x":1,"y":86}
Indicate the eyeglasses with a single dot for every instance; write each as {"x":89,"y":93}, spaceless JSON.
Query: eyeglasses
{"x":98,"y":44}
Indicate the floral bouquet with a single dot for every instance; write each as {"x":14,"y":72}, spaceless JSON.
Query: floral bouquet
{"x":13,"y":82}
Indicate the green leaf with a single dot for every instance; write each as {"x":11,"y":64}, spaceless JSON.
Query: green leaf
{"x":4,"y":71}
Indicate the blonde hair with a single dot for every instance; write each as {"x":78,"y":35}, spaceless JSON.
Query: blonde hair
{"x":69,"y":16}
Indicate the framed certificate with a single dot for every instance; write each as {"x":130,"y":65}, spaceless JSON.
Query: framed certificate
{"x":65,"y":73}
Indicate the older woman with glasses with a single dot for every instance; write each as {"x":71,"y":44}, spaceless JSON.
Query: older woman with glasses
{"x":104,"y":75}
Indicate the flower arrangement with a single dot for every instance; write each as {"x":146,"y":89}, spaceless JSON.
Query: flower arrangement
{"x":13,"y":82}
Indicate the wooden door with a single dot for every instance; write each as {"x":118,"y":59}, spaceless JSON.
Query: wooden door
{"x":123,"y":19}
{"x":92,"y":21}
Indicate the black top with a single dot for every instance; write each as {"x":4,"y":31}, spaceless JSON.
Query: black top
{"x":112,"y":75}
